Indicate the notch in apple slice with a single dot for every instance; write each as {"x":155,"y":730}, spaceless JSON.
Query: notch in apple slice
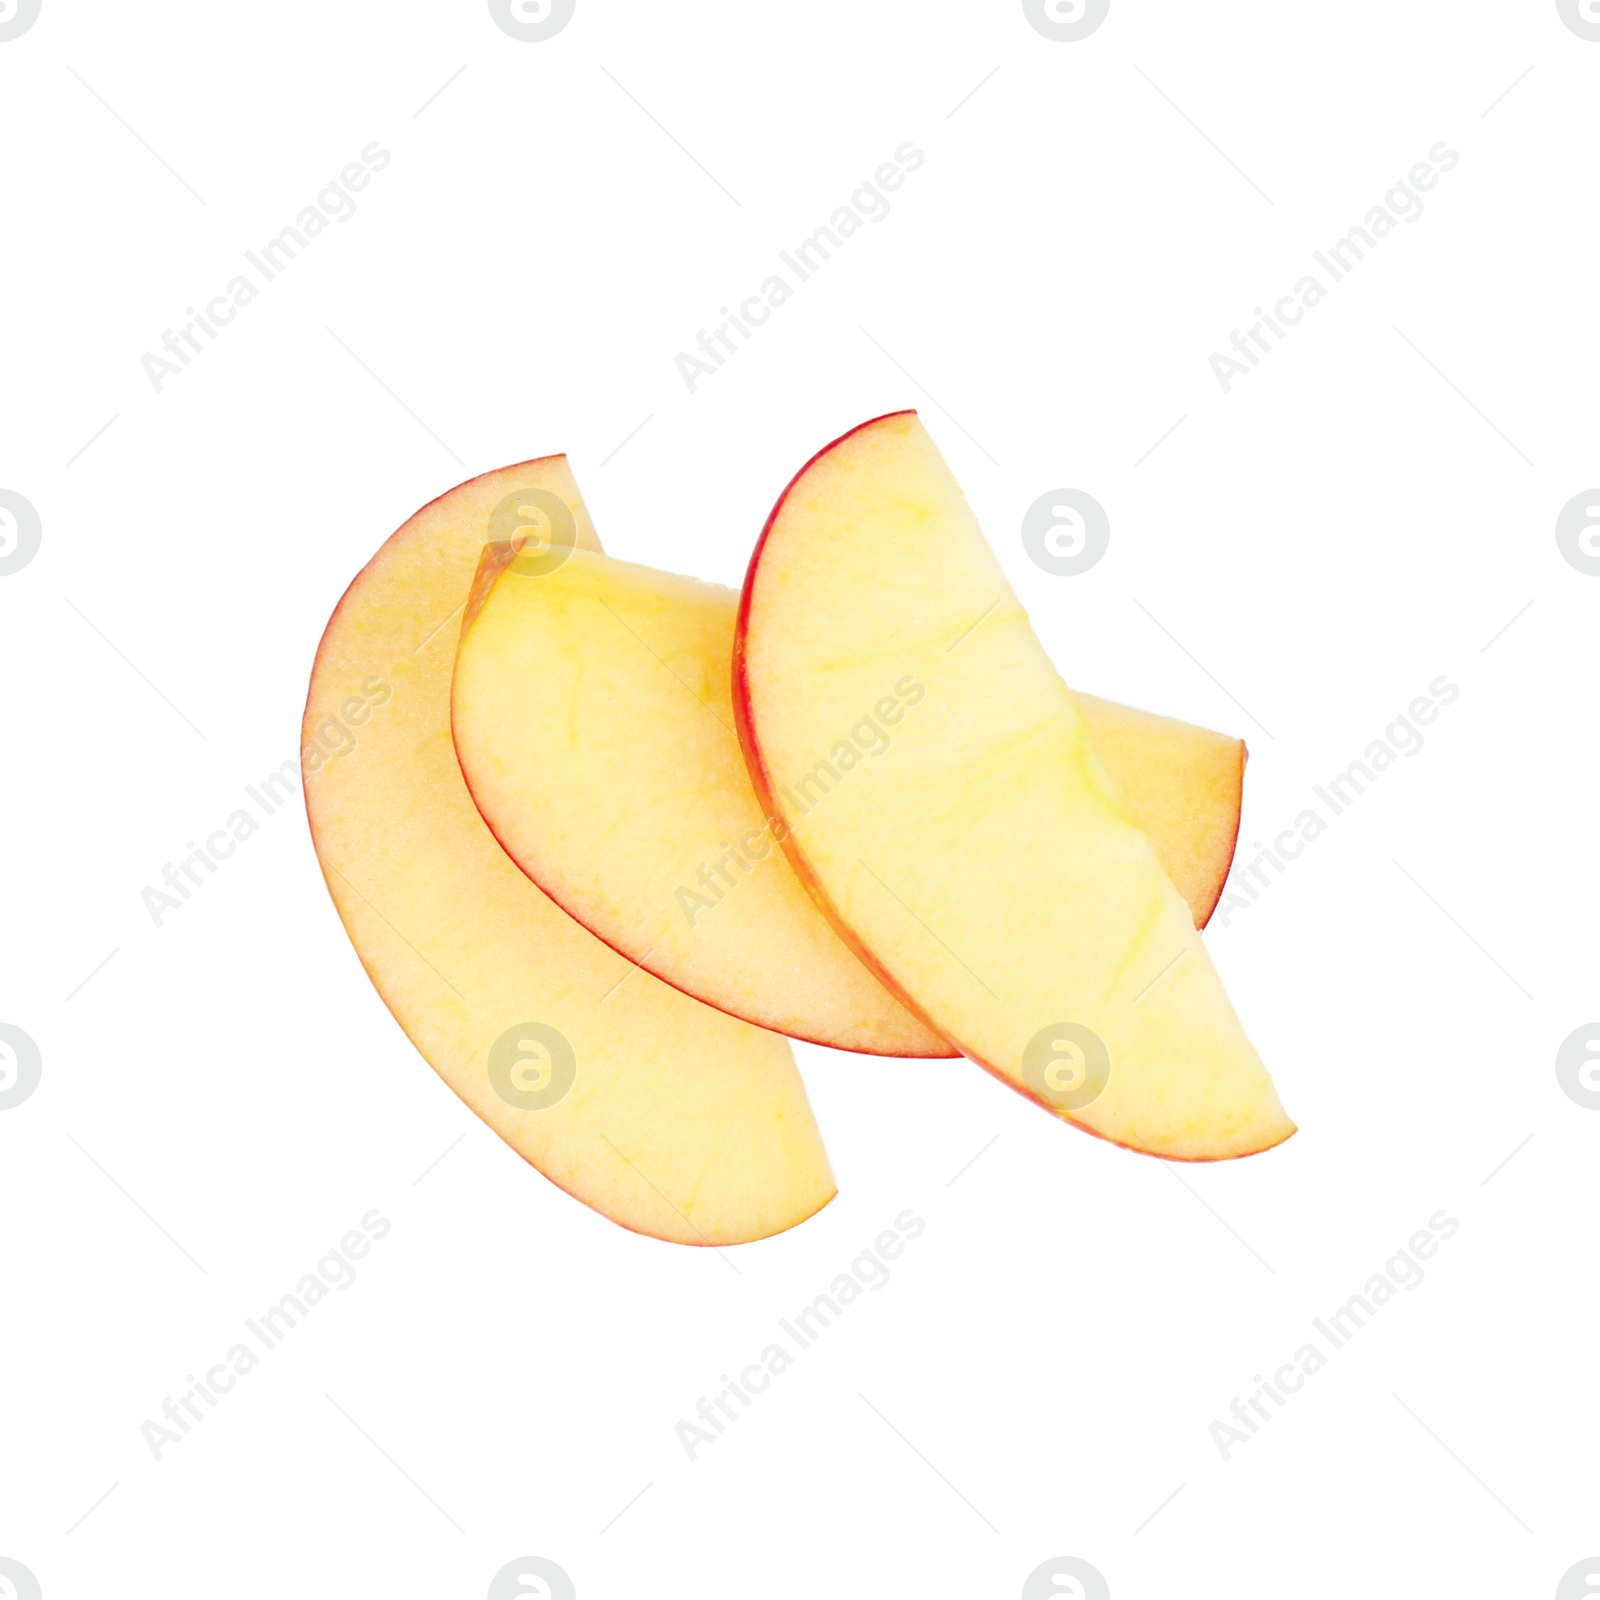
{"x":662,"y":1114}
{"x":987,"y":866}
{"x":593,"y":718}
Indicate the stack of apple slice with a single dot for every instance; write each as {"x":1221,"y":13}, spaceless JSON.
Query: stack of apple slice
{"x":855,"y":805}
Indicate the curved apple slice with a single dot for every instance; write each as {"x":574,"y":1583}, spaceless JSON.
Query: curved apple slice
{"x":1184,"y":786}
{"x":987,"y":865}
{"x":593,"y":719}
{"x":594,"y":724}
{"x":662,"y":1114}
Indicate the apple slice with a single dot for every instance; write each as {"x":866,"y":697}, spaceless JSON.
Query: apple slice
{"x":1184,"y":786}
{"x":662,"y":1114}
{"x":986,"y":865}
{"x":593,"y":718}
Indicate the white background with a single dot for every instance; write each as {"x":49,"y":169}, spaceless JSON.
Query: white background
{"x":226,"y":1095}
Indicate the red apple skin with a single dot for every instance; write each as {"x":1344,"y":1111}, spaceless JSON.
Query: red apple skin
{"x":502,"y":557}
{"x":305,"y":792}
{"x":498,"y":556}
{"x":311,"y":823}
{"x":1233,"y":844}
{"x":766,"y":791}
{"x":761,"y":778}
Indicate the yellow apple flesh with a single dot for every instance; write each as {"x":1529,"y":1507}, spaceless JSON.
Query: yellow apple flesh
{"x":664,"y":1115}
{"x":987,"y":865}
{"x":1184,"y":786}
{"x":594,"y":722}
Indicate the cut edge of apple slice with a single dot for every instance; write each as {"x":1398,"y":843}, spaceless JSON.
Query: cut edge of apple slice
{"x":342,"y":894}
{"x":492,"y":564}
{"x":767,"y":790}
{"x":1233,"y":844}
{"x":760,"y":775}
{"x":498,"y":554}
{"x":1200,"y":876}
{"x":1176,"y":777}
